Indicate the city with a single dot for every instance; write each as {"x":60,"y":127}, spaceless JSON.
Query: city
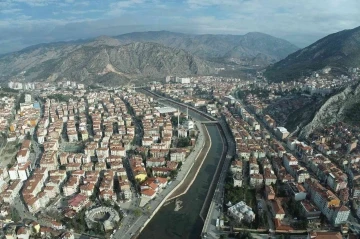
{"x":110,"y":158}
{"x":194,"y":119}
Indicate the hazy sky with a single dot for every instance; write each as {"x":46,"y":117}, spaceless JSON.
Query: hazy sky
{"x":28,"y":22}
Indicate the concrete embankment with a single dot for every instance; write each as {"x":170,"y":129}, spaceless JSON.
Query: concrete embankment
{"x":166,"y":198}
{"x":204,"y":210}
{"x":190,"y":177}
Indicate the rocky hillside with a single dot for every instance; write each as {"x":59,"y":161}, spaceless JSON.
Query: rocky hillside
{"x":338,"y":51}
{"x":251,"y":46}
{"x":102,"y":62}
{"x":343,"y":106}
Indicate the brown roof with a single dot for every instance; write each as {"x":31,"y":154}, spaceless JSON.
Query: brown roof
{"x":325,"y":235}
{"x":278,"y":209}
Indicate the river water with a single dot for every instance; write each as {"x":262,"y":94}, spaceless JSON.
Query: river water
{"x":186,"y":223}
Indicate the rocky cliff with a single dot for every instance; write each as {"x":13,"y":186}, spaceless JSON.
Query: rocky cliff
{"x":338,"y":51}
{"x":336,"y":108}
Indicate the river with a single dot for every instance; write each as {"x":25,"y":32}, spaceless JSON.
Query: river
{"x":186,"y":223}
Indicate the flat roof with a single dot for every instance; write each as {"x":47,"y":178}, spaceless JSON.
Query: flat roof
{"x":164,"y":110}
{"x":282,"y":129}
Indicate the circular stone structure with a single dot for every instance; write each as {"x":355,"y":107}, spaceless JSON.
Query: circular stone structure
{"x":107,"y":216}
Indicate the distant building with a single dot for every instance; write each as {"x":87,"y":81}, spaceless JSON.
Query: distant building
{"x":28,"y":98}
{"x":183,"y":80}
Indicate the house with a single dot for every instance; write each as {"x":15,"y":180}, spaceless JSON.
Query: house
{"x":238,"y":179}
{"x":23,"y":233}
{"x":138,"y":168}
{"x":310,"y":211}
{"x":240,"y":211}
{"x":23,"y":155}
{"x":155,"y":162}
{"x":269,"y":193}
{"x":148,"y":193}
{"x":297,"y":191}
{"x":324,"y":235}
{"x":178,"y":155}
{"x":10,"y":232}
{"x":78,"y":202}
{"x":281,"y":132}
{"x":269,"y":177}
{"x":277,"y":210}
{"x":164,"y":171}
{"x":256,"y":180}
{"x":67,"y":235}
{"x":236,"y":166}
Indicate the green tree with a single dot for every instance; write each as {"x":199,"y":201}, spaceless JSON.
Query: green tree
{"x":28,"y":136}
{"x":137,"y":212}
{"x":244,"y":235}
{"x":15,"y":215}
{"x":173,"y":174}
{"x":183,"y":142}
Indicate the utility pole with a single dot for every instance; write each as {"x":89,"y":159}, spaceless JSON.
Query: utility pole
{"x":178,"y":115}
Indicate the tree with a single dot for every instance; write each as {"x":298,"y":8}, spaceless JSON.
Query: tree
{"x":244,"y":235}
{"x":137,"y":212}
{"x":15,"y":215}
{"x":28,"y":136}
{"x":173,"y":174}
{"x":183,"y":142}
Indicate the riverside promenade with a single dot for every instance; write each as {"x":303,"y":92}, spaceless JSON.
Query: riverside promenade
{"x":195,"y":168}
{"x":137,"y":224}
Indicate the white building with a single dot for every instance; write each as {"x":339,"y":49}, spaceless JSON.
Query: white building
{"x":183,"y":80}
{"x":241,"y":211}
{"x":282,"y":132}
{"x":189,"y":124}
{"x":237,"y":179}
{"x":28,"y":98}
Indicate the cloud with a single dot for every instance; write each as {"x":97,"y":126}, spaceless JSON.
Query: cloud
{"x":300,"y":22}
{"x":34,"y":3}
{"x":118,"y":8}
{"x":10,"y":11}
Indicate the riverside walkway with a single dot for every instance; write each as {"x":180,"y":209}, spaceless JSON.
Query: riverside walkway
{"x":198,"y":161}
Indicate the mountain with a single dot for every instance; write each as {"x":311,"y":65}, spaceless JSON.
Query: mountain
{"x":102,"y":62}
{"x":343,"y":106}
{"x":140,"y":55}
{"x":338,"y":51}
{"x":251,"y":46}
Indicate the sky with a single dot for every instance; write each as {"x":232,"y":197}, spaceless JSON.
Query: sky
{"x":28,"y":22}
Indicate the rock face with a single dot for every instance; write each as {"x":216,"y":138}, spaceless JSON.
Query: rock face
{"x":104,"y":63}
{"x":254,"y":46}
{"x":338,"y":51}
{"x":335,"y":109}
{"x":140,"y":55}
